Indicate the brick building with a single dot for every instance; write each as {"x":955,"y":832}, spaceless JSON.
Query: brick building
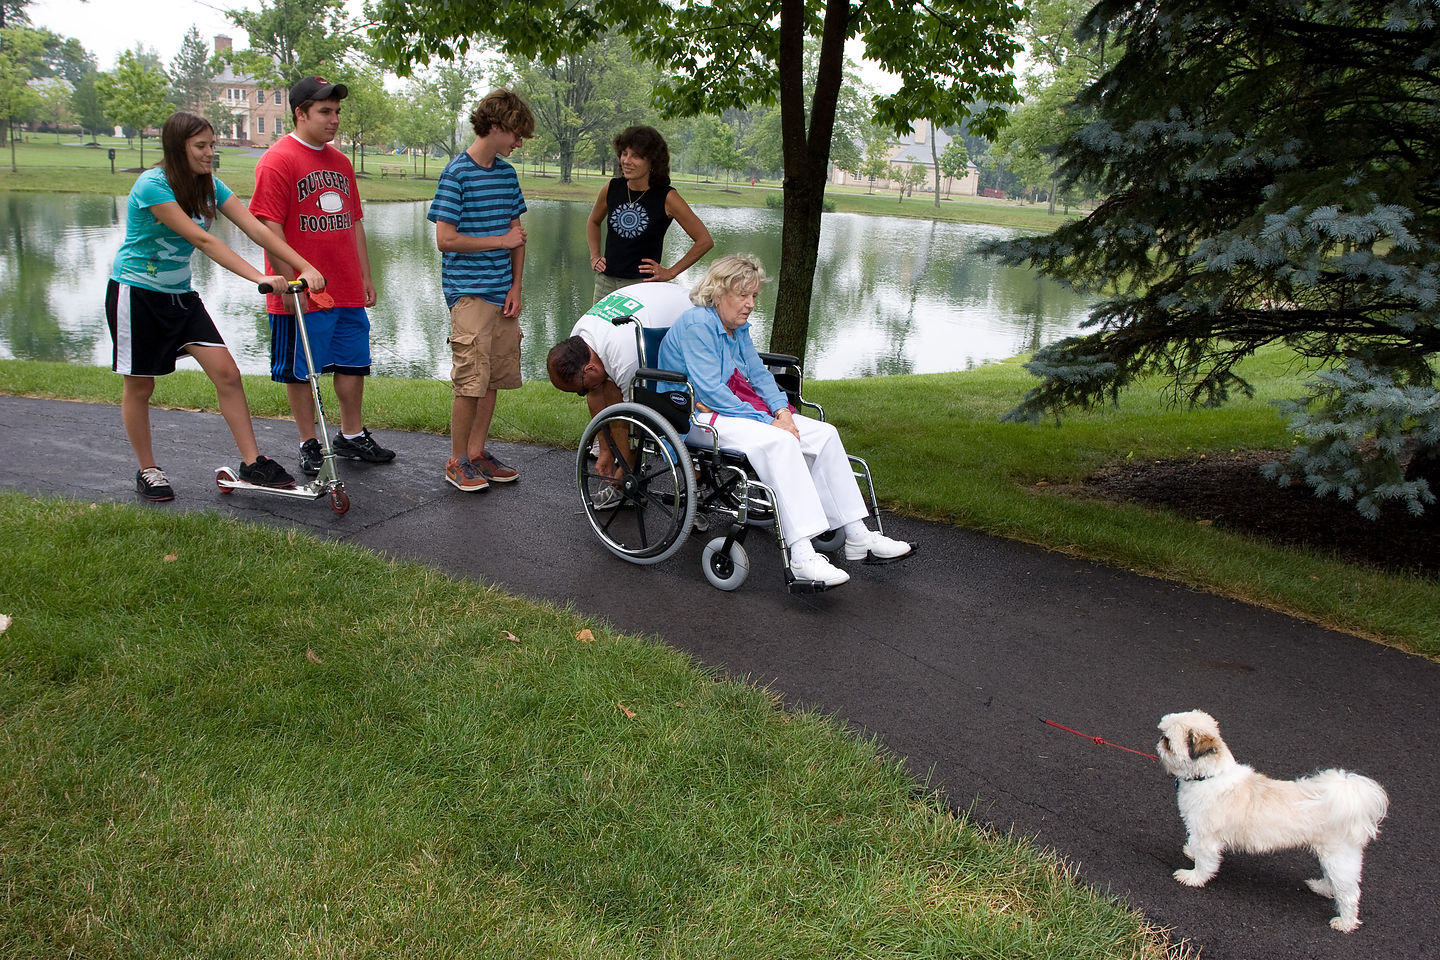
{"x":259,"y":112}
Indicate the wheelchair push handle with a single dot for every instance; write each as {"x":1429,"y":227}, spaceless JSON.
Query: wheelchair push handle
{"x":294,"y":286}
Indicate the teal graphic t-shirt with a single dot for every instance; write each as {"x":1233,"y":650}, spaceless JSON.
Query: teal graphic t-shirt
{"x":153,"y":256}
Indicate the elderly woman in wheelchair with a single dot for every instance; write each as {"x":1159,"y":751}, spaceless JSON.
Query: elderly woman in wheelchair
{"x":745,"y":453}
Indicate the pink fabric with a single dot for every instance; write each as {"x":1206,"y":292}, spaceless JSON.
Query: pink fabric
{"x":741,"y":388}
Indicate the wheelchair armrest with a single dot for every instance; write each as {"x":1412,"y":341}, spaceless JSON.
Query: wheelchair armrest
{"x":666,"y":376}
{"x":779,"y":360}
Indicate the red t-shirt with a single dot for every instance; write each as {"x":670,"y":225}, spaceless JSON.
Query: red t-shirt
{"x":313,"y":194}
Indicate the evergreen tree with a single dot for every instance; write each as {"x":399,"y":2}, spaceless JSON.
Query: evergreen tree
{"x":1270,"y":172}
{"x":191,"y":74}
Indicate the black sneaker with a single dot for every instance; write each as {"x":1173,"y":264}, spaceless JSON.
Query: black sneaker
{"x":311,"y":456}
{"x":362,"y":447}
{"x":265,"y":472}
{"x":151,"y":484}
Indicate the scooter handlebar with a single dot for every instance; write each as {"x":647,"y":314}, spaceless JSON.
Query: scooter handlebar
{"x":294,"y":286}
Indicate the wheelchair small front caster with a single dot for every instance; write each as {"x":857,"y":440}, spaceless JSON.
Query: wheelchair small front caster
{"x":725,"y":569}
{"x":829,"y":542}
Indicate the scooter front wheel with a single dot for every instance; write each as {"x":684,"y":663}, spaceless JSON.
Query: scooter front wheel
{"x":339,"y":501}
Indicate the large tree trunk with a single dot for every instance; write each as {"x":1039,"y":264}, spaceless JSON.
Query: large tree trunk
{"x":807,"y":160}
{"x":567,"y":159}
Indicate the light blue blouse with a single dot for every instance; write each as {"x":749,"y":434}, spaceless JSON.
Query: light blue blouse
{"x":699,"y":347}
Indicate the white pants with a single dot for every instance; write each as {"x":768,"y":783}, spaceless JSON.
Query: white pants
{"x":812,"y":479}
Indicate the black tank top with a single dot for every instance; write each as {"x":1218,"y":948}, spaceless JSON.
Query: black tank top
{"x":637,"y":223}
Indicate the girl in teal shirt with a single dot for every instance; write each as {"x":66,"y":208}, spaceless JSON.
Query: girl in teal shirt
{"x":155,"y":316}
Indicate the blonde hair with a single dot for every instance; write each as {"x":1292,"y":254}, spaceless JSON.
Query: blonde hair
{"x":730,"y":273}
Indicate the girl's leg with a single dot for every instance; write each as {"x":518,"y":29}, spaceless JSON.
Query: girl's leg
{"x":135,"y":415}
{"x":220,"y":367}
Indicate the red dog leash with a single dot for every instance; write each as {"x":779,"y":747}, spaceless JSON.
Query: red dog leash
{"x":1098,"y":741}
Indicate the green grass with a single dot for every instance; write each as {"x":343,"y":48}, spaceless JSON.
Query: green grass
{"x":938,"y":450}
{"x":207,"y":753}
{"x":48,"y":167}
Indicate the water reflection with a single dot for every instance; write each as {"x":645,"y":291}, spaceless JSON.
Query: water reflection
{"x":891,"y":295}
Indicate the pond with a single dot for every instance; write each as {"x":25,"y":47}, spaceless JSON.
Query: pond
{"x":892,"y":295}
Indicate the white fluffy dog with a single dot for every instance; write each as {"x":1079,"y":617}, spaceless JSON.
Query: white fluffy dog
{"x":1228,"y":806}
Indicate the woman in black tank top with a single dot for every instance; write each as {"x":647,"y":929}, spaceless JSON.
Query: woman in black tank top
{"x":637,"y":207}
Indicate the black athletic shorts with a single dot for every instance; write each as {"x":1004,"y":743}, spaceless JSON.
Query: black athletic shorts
{"x":151,"y":330}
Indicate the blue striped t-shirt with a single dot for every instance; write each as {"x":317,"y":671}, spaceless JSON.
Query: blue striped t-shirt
{"x":478,"y":202}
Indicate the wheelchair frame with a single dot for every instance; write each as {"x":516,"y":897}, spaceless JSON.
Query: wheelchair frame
{"x":669,"y":488}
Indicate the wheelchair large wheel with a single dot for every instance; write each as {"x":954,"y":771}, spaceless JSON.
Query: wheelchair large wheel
{"x":647,"y":516}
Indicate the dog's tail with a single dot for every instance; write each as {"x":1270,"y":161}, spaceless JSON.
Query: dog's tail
{"x":1358,"y":803}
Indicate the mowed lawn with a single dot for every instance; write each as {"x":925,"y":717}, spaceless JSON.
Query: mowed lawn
{"x":226,"y":741}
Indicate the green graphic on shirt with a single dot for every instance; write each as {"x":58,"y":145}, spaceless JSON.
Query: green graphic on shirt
{"x":614,"y":306}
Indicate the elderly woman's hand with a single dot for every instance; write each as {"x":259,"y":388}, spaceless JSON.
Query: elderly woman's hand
{"x":784,"y":421}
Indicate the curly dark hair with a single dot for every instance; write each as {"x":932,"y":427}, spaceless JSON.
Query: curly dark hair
{"x":648,"y":143}
{"x":504,"y":109}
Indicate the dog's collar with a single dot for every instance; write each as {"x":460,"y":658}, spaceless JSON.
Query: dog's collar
{"x":1180,"y":780}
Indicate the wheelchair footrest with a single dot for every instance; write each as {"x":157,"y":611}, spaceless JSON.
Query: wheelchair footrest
{"x":806,"y":586}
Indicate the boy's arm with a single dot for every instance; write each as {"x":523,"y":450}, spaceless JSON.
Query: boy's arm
{"x":517,"y":268}
{"x":363,"y":249}
{"x":450,"y":240}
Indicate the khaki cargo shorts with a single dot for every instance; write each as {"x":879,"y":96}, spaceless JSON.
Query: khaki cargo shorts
{"x":484,"y":348}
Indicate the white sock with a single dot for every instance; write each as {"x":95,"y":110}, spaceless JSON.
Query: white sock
{"x":856,"y":531}
{"x":801,"y":550}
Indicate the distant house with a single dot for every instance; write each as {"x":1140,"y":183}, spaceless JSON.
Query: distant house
{"x":914,"y":151}
{"x":259,"y":112}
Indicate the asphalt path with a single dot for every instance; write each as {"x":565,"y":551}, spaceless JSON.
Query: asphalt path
{"x":951,"y":660}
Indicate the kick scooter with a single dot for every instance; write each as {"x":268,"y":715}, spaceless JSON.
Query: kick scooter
{"x":327,"y":482}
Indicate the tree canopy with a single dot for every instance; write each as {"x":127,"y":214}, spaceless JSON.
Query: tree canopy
{"x":134,"y":95}
{"x":949,"y":54}
{"x":292,"y":38}
{"x":1270,"y":173}
{"x":584,"y":96}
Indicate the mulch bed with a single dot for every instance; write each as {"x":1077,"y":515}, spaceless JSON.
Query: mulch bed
{"x":1232,"y":493}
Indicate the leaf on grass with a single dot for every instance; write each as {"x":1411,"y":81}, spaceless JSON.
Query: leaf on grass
{"x":312,"y":656}
{"x":5,"y":622}
{"x":585,"y":636}
{"x":171,"y":557}
{"x":630,"y":714}
{"x":510,"y":636}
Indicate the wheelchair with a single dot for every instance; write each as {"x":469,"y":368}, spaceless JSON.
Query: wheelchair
{"x":669,"y":488}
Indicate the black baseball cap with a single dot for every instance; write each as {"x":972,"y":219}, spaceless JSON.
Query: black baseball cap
{"x":316,"y":88}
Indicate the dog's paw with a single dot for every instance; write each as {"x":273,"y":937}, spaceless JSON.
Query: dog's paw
{"x":1321,"y":887}
{"x":1191,"y":878}
{"x":1343,"y":925}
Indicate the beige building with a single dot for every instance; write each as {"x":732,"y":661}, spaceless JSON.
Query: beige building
{"x":914,"y":151}
{"x":259,"y":112}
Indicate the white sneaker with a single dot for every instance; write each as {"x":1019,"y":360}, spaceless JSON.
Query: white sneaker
{"x":819,"y":569}
{"x":607,"y":498}
{"x":876,"y":548}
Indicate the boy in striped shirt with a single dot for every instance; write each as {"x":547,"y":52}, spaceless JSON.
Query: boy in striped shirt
{"x":476,"y":213}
